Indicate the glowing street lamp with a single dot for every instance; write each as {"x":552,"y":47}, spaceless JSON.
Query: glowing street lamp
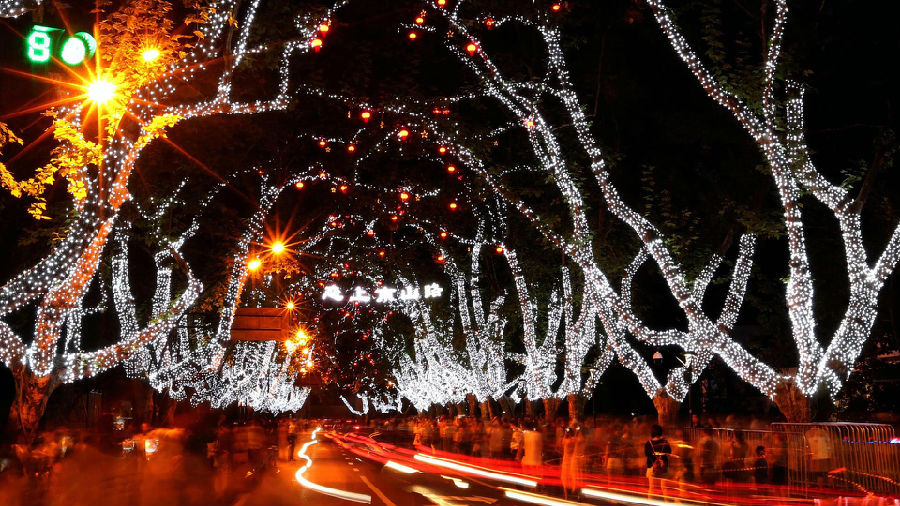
{"x":150,"y":54}
{"x":254,"y":264}
{"x":101,"y":91}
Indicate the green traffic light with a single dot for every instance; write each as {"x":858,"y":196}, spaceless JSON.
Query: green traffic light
{"x":73,"y":51}
{"x":42,"y":43}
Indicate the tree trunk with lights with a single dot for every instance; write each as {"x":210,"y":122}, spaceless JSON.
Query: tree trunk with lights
{"x":666,"y":409}
{"x":473,"y":405}
{"x":486,"y":410}
{"x":29,"y":402}
{"x":576,"y":408}
{"x":551,"y":406}
{"x":792,"y":403}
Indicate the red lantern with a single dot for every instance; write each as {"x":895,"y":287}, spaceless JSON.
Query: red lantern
{"x":443,"y":235}
{"x":299,"y":185}
{"x":489,"y":22}
{"x":499,"y":250}
{"x":412,"y":35}
{"x":442,"y":150}
{"x":351,"y":148}
{"x":472,"y":48}
{"x":365,"y":115}
{"x":440,"y":259}
{"x":420,"y":20}
{"x":556,"y":7}
{"x":453,"y":206}
{"x":441,"y":3}
{"x":403,"y":134}
{"x":451,"y":169}
{"x":322,"y":143}
{"x":344,"y":188}
{"x":316,"y":44}
{"x":404,"y":196}
{"x":324,"y":27}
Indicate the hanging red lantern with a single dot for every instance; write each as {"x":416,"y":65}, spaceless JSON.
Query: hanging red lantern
{"x":412,"y":35}
{"x":404,"y":196}
{"x":489,"y":22}
{"x":499,"y":250}
{"x":453,"y":206}
{"x":443,"y":235}
{"x":472,"y":48}
{"x":299,"y":185}
{"x":420,"y":20}
{"x":365,"y":115}
{"x":324,"y":27}
{"x":451,"y":169}
{"x":440,"y":259}
{"x":322,"y":143}
{"x":403,"y":134}
{"x":344,"y":188}
{"x":316,"y":44}
{"x":556,"y":7}
{"x":441,"y":3}
{"x":351,"y":148}
{"x":442,"y":150}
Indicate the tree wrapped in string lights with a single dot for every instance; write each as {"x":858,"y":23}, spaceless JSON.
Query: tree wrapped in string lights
{"x":775,"y":123}
{"x":127,"y":100}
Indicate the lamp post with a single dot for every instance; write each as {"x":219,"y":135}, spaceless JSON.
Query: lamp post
{"x":689,"y":371}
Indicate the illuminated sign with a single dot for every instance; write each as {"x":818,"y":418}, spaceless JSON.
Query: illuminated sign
{"x":43,"y":43}
{"x":381,"y":295}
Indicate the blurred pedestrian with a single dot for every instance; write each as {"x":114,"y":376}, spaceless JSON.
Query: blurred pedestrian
{"x":533,"y":457}
{"x":572,"y":460}
{"x":761,"y":466}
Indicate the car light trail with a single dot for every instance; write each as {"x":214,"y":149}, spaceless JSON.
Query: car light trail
{"x":456,"y":481}
{"x":537,"y":498}
{"x":400,"y":467}
{"x":334,"y":492}
{"x":456,"y":466}
{"x":631,"y":499}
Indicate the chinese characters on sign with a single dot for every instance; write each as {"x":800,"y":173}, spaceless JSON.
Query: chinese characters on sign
{"x":382,"y":295}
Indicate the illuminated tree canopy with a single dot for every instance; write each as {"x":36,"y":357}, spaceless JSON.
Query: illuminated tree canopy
{"x":459,"y":154}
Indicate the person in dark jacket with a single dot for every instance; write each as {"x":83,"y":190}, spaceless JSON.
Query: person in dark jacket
{"x":657,"y":450}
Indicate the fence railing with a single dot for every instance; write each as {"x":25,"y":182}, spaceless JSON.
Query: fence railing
{"x":861,"y":456}
{"x":857,"y":456}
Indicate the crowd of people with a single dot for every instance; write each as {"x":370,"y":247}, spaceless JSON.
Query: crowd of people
{"x":616,"y":448}
{"x":630,"y":450}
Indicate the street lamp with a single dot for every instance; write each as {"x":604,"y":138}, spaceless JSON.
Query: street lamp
{"x":688,"y":364}
{"x":150,"y":54}
{"x":101,"y":91}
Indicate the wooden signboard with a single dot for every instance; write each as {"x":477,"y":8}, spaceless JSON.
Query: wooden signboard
{"x":261,"y":324}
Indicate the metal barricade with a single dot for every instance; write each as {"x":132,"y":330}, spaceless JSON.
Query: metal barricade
{"x":858,"y":456}
{"x":784,"y":451}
